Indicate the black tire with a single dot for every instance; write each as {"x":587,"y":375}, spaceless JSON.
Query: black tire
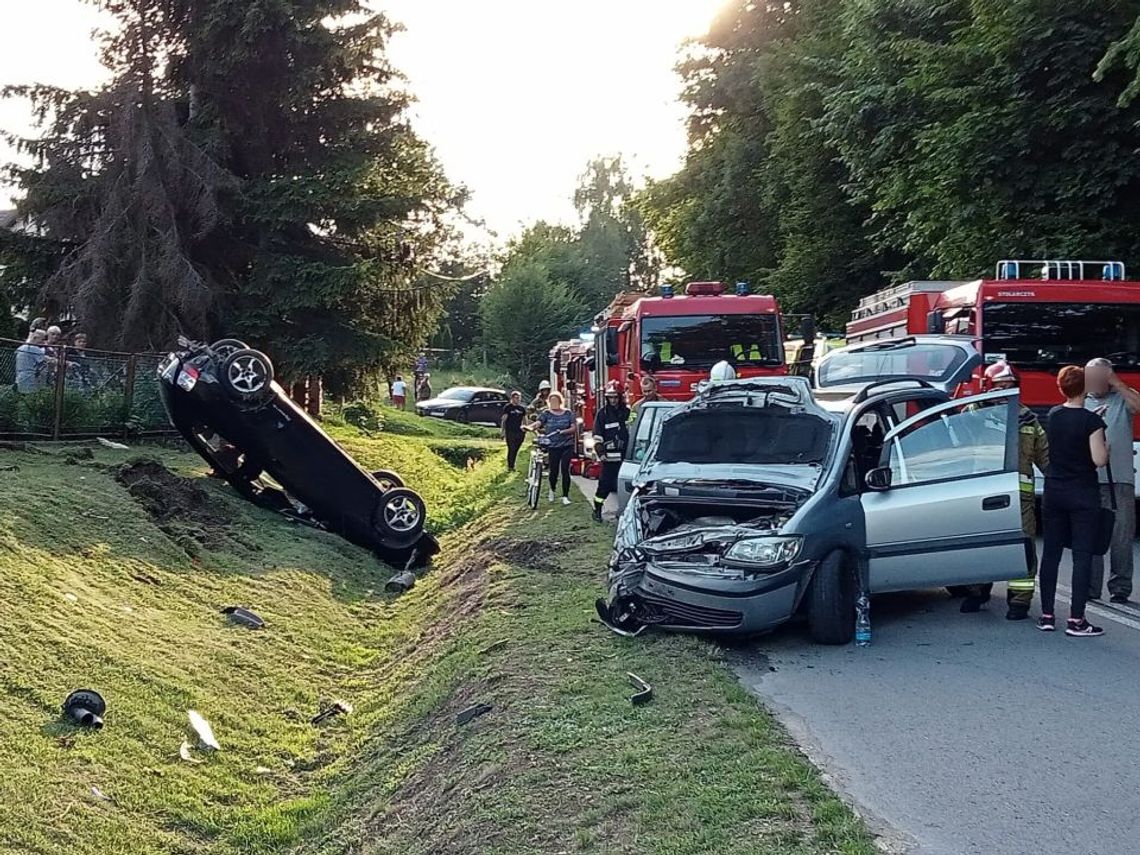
{"x":247,"y":376}
{"x":462,"y":417}
{"x":224,"y":347}
{"x":388,"y":479}
{"x":959,"y":590}
{"x":400,"y":516}
{"x":831,"y":601}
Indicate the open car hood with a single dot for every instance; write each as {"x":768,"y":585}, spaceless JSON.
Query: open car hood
{"x":803,"y":477}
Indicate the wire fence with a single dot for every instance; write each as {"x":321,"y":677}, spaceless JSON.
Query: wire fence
{"x":61,"y":392}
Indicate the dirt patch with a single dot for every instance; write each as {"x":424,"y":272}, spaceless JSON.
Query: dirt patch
{"x":181,"y":508}
{"x":541,"y":555}
{"x":461,"y":456}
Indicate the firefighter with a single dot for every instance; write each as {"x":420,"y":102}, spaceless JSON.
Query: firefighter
{"x":648,"y":391}
{"x":722,"y":372}
{"x":539,"y":402}
{"x":611,"y":436}
{"x":1033,"y":450}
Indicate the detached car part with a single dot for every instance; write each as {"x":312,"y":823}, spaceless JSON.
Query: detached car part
{"x":86,"y":708}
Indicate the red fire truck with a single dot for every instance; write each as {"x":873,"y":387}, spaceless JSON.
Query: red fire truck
{"x":1037,"y":315}
{"x":676,"y":339}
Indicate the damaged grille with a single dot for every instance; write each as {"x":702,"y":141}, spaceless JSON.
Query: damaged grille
{"x":671,"y":612}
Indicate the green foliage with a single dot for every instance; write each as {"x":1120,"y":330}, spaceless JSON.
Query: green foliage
{"x":524,"y":313}
{"x":833,"y":141}
{"x":364,"y":416}
{"x":295,"y":210}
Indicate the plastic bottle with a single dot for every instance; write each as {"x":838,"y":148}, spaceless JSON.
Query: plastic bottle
{"x":863,"y":621}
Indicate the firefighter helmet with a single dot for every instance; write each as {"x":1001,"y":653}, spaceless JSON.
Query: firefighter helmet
{"x":613,"y":388}
{"x":722,"y":371}
{"x":1001,"y":372}
{"x":544,"y":386}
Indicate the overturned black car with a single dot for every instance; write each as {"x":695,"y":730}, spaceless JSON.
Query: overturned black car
{"x":223,"y":400}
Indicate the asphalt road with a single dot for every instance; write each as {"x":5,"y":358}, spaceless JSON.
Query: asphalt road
{"x":960,"y":734}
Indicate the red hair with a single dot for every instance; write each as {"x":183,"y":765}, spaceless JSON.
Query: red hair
{"x":1071,"y":381}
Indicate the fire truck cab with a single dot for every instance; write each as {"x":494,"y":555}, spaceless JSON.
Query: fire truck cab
{"x":1037,"y":315}
{"x":677,"y":339}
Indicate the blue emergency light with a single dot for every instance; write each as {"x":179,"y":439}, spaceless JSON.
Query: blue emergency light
{"x":741,"y":289}
{"x":666,"y":292}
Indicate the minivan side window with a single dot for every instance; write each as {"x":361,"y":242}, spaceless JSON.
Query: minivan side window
{"x":644,"y":433}
{"x":957,"y":443}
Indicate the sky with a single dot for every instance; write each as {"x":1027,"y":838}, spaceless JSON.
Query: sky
{"x":515,"y":95}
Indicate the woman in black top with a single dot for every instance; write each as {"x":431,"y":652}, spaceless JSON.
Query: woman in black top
{"x":1071,"y":507}
{"x":512,"y":428}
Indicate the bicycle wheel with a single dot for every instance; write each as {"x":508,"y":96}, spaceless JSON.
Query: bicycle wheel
{"x":539,"y":472}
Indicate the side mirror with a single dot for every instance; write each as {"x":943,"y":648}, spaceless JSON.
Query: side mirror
{"x":935,"y":323}
{"x":879,"y":479}
{"x":807,"y":329}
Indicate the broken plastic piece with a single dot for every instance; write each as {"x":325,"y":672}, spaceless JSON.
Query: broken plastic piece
{"x":204,"y":731}
{"x":85,"y":707}
{"x":244,"y":617}
{"x":118,"y":446}
{"x":617,"y":621}
{"x":472,"y":713}
{"x":401,"y":582}
{"x":644,"y":693}
{"x":184,"y":753}
{"x":335,"y":709}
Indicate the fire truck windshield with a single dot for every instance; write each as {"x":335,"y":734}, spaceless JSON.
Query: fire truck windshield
{"x":701,"y":341}
{"x":1048,"y":335}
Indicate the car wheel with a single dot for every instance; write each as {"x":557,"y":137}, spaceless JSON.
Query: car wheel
{"x":400,"y":515}
{"x":388,"y":479}
{"x":247,"y":375}
{"x":831,"y":601}
{"x":462,"y":417}
{"x":222,"y":348}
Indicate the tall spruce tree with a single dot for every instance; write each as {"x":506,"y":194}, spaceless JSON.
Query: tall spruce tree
{"x":286,"y":199}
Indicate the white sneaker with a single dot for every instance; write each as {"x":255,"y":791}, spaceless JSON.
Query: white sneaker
{"x":550,"y":497}
{"x":565,"y":500}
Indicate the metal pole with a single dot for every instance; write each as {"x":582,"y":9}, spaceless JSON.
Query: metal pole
{"x":60,"y":377}
{"x":129,"y":393}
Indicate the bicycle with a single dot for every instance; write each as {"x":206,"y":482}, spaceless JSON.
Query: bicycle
{"x":536,"y":474}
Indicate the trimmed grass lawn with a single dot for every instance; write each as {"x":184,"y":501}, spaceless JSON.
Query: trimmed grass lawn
{"x":96,"y":592}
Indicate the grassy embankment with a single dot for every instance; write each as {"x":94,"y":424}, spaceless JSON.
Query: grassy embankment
{"x":96,"y":592}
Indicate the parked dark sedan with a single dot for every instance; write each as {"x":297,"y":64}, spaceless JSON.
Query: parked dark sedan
{"x":224,"y":402}
{"x":471,"y":404}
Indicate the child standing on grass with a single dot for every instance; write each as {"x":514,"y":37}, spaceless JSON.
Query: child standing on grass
{"x":399,"y":392}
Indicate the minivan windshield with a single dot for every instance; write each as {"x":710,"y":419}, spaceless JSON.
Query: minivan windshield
{"x":928,"y":361}
{"x":740,"y":434}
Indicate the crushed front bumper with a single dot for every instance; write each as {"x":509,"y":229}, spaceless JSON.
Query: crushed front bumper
{"x":652,"y":596}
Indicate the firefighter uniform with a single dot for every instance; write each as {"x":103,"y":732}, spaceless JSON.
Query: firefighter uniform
{"x":1033,"y":450}
{"x":611,"y":433}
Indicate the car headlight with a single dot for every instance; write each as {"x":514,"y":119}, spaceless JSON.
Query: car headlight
{"x":765,"y":551}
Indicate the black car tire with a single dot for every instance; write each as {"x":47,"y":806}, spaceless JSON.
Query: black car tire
{"x":223,"y":347}
{"x":247,"y":376}
{"x":462,"y":417}
{"x":831,"y":601}
{"x":388,"y":479}
{"x":400,"y":515}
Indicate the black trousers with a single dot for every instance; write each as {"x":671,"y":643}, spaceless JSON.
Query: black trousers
{"x":608,"y":482}
{"x":514,"y":443}
{"x":1069,"y":517}
{"x":560,"y":465}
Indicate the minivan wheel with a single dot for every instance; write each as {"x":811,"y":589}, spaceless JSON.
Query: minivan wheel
{"x":388,"y":479}
{"x":400,"y":515}
{"x":247,"y":375}
{"x":831,"y":601}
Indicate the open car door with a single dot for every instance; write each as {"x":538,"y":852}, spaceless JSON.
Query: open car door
{"x":952,"y":513}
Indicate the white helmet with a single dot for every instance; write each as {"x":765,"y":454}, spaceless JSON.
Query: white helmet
{"x":721,"y":372}
{"x":544,"y":386}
